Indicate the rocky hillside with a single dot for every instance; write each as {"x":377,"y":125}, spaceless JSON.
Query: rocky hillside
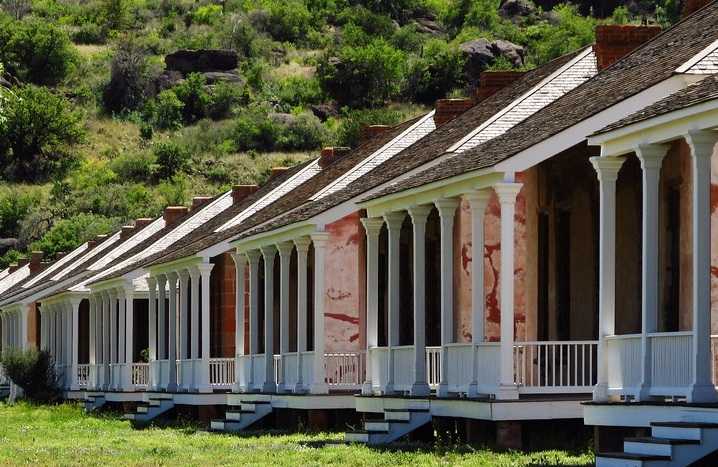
{"x":111,"y":109}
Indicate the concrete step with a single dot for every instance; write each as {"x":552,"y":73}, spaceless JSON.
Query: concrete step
{"x":654,"y":446}
{"x":148,"y":411}
{"x":238,"y":419}
{"x":396,"y":424}
{"x":622,"y":459}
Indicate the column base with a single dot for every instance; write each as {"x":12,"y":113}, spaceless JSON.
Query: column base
{"x":473,"y":389}
{"x":204,"y":389}
{"x":269,"y":387}
{"x":299,"y":388}
{"x":442,"y":390}
{"x":701,"y":393}
{"x":507,"y":392}
{"x":600,"y":392}
{"x":367,"y":389}
{"x":319,"y":388}
{"x":388,"y":389}
{"x":420,"y":389}
{"x":171,"y":387}
{"x":643,"y":392}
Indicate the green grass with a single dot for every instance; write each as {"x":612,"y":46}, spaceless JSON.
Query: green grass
{"x":64,"y":435}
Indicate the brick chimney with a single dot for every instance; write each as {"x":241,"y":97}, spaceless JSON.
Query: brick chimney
{"x":691,"y":6}
{"x":449,"y":109}
{"x":329,"y":155}
{"x":13,"y":267}
{"x":173,"y":213}
{"x":491,"y":82}
{"x":615,"y":41}
{"x":142,"y":222}
{"x":59,"y":255}
{"x":372,"y":131}
{"x":127,"y":231}
{"x":239,"y":192}
{"x":22,"y":262}
{"x":36,"y":262}
{"x":277,"y":171}
{"x":91,"y":244}
{"x":199,"y":201}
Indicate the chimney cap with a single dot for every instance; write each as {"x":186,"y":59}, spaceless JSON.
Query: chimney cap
{"x":276,"y":171}
{"x":173,"y":213}
{"x":143,"y":222}
{"x":449,"y":109}
{"x":126,"y":231}
{"x":239,"y":192}
{"x":199,"y":201}
{"x":330,"y":154}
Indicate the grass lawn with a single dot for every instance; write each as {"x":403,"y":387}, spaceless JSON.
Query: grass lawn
{"x":64,"y":435}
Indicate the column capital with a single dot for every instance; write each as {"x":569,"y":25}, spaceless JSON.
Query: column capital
{"x":394,"y":219}
{"x":129,"y":289}
{"x":151,"y":282}
{"x":372,"y":225}
{"x":185,"y":273}
{"x":607,"y":168}
{"x":507,"y":191}
{"x":74,"y":302}
{"x":268,"y":252}
{"x":172,"y":279}
{"x":161,"y":281}
{"x":320,"y":239}
{"x":302,"y":244}
{"x":205,"y":268}
{"x":238,"y":258}
{"x":651,"y":155}
{"x":285,"y":249}
{"x":446,"y":206}
{"x":420,"y":213}
{"x":701,"y":142}
{"x":253,"y":256}
{"x":478,"y":199}
{"x":112,"y":293}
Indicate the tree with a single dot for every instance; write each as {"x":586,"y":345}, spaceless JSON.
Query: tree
{"x":127,"y":88}
{"x":38,"y":134}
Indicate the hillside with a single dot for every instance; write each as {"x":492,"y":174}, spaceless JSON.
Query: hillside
{"x":112,"y":109}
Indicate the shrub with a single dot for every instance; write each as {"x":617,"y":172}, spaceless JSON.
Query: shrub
{"x":135,"y":166}
{"x":222,"y":99}
{"x":38,"y":134}
{"x":170,"y":159}
{"x":296,"y":91}
{"x":68,"y":234}
{"x":194,"y":97}
{"x":129,"y":79}
{"x":285,"y":21}
{"x":255,"y":129}
{"x":371,"y":23}
{"x":15,"y":204}
{"x":207,"y":14}
{"x":11,"y":257}
{"x":437,"y":72}
{"x":363,"y":76}
{"x":165,"y":111}
{"x":90,"y":33}
{"x":571,"y":32}
{"x":354,"y":120}
{"x":34,"y":372}
{"x":408,"y":39}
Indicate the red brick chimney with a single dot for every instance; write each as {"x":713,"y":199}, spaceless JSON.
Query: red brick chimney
{"x":239,"y":192}
{"x":277,"y":171}
{"x":615,"y":41}
{"x":173,"y":213}
{"x":36,"y":262}
{"x":142,"y":222}
{"x":449,"y":109}
{"x":199,"y":201}
{"x":13,"y":267}
{"x":91,"y":244}
{"x":59,"y":255}
{"x":331,"y":154}
{"x":372,"y":131}
{"x":22,"y":262}
{"x":127,"y":231}
{"x":691,"y":6}
{"x":491,"y":82}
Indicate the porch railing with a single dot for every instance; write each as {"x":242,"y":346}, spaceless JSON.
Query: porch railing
{"x":555,"y":366}
{"x":83,"y":375}
{"x":433,"y":366}
{"x":623,"y":354}
{"x":714,"y":358}
{"x":345,"y":370}
{"x":671,"y":367}
{"x":140,"y":374}
{"x":221,"y":372}
{"x":3,"y":379}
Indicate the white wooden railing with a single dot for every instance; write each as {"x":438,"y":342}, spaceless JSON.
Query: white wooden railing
{"x":714,"y":356}
{"x":221,"y":372}
{"x":140,"y":374}
{"x":277,"y":366}
{"x":555,"y":366}
{"x":433,"y":366}
{"x":345,"y":370}
{"x":83,"y":375}
{"x":3,"y":379}
{"x":403,"y":359}
{"x":623,"y":354}
{"x":671,"y":366}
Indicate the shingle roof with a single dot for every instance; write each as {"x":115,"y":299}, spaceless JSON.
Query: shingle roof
{"x":648,"y":65}
{"x":694,"y":94}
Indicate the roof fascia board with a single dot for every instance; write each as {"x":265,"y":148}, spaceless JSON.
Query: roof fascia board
{"x":115,"y":283}
{"x":574,"y":134}
{"x":65,"y":296}
{"x":182,"y":263}
{"x":697,"y":58}
{"x":274,"y":237}
{"x":43,"y":292}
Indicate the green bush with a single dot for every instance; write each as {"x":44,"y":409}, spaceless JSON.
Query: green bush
{"x":363,"y":76}
{"x":255,"y":129}
{"x":296,"y":91}
{"x":572,"y":32}
{"x":90,"y":33}
{"x":194,"y":97}
{"x":34,"y":372}
{"x":223,"y":97}
{"x":371,"y":23}
{"x":129,"y":79}
{"x":68,"y":234}
{"x":207,"y":14}
{"x":36,"y":51}
{"x":354,"y":120}
{"x":37,"y":137}
{"x":437,"y":72}
{"x":170,"y":159}
{"x":15,"y":204}
{"x":165,"y":111}
{"x":285,"y":20}
{"x":11,"y":257}
{"x":135,"y":166}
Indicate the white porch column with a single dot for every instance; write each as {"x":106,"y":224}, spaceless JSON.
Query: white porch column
{"x":419,"y":214}
{"x":194,"y":313}
{"x":152,"y":318}
{"x":106,"y":344}
{"x":268,"y":252}
{"x":393,"y":223}
{"x":285,"y":255}
{"x":23,"y":316}
{"x":188,"y":321}
{"x":702,"y":388}
{"x":129,"y":293}
{"x":203,"y":385}
{"x":302,"y":245}
{"x":92,"y":330}
{"x":121,"y":332}
{"x":651,"y":157}
{"x":478,"y":201}
{"x":75,"y":341}
{"x":607,"y":169}
{"x":240,"y":264}
{"x":69,"y":343}
{"x":184,"y":321}
{"x":507,"y":193}
{"x":161,"y":317}
{"x":112,"y":306}
{"x":172,"y":332}
{"x":319,"y":385}
{"x":253,"y":257}
{"x":372,"y":226}
{"x":447,"y":211}
{"x":43,"y":331}
{"x":3,"y":335}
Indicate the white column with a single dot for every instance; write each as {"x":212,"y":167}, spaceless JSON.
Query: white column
{"x":188,"y":320}
{"x":75,"y":341}
{"x":43,"y":329}
{"x":3,"y":338}
{"x":129,"y":293}
{"x":702,"y":388}
{"x":23,"y":316}
{"x":393,"y":223}
{"x":194,"y":313}
{"x":302,"y":245}
{"x":152,"y":318}
{"x":419,"y":214}
{"x":205,"y":269}
{"x":183,"y":319}
{"x":373,"y":228}
{"x":319,"y":385}
{"x":285,"y":254}
{"x":253,"y":257}
{"x":121,"y":331}
{"x":651,"y":157}
{"x":447,"y":211}
{"x":106,"y":344}
{"x":92,"y":330}
{"x":268,"y":252}
{"x":71,"y":371}
{"x":607,"y":169}
{"x":507,"y":193}
{"x":172,"y":332}
{"x":478,"y":201}
{"x":161,"y":317}
{"x":240,"y":264}
{"x":112,"y":297}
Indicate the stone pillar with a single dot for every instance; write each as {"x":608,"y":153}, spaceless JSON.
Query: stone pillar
{"x":478,"y":201}
{"x":393,"y":223}
{"x":74,"y":339}
{"x":240,"y":265}
{"x":372,"y":226}
{"x":607,"y":169}
{"x":129,"y":298}
{"x":507,"y":193}
{"x":285,"y":255}
{"x":319,"y":385}
{"x":651,"y":157}
{"x":447,"y":211}
{"x":302,"y":245}
{"x":701,"y":388}
{"x":419,"y":214}
{"x":253,"y":257}
{"x":268,"y":252}
{"x":172,"y":332}
{"x":203,"y":385}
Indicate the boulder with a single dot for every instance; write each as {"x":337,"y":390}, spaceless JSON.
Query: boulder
{"x":202,"y":60}
{"x":214,"y":77}
{"x":324,"y":111}
{"x":167,"y":79}
{"x":8,"y":243}
{"x":514,"y":53}
{"x":481,"y":54}
{"x":283,"y":119}
{"x":429,"y":26}
{"x":5,"y":83}
{"x":514,"y":9}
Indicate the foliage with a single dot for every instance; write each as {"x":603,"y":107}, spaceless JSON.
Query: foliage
{"x":571,"y":32}
{"x":67,"y":234}
{"x":284,"y":20}
{"x":207,"y":14}
{"x":438,"y":71}
{"x":165,"y":111}
{"x":37,"y":138}
{"x":258,"y":130}
{"x":194,"y":97}
{"x":129,"y":79}
{"x":170,"y":159}
{"x":10,"y":257}
{"x":15,"y":205}
{"x":354,"y":120}
{"x":34,"y":372}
